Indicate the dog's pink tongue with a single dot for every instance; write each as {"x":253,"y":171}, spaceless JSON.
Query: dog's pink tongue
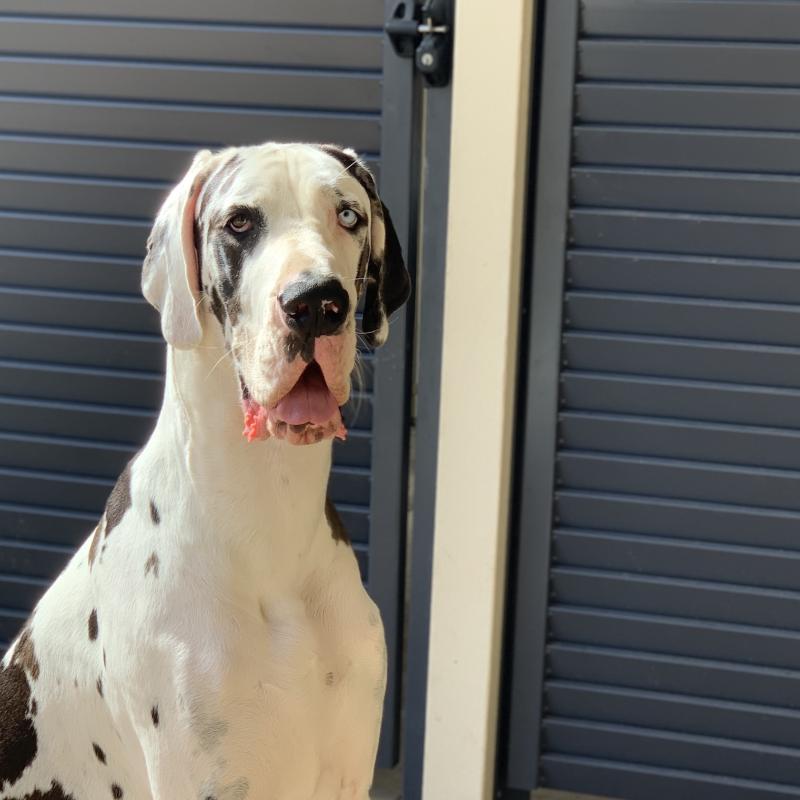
{"x":309,"y":401}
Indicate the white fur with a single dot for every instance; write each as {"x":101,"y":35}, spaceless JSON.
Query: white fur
{"x":256,"y":639}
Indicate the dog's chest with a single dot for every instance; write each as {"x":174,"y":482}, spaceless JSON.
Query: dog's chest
{"x":301,"y":680}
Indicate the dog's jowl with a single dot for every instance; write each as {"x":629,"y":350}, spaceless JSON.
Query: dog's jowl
{"x":212,"y":638}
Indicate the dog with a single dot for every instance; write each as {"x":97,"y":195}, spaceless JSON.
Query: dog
{"x":212,"y":639}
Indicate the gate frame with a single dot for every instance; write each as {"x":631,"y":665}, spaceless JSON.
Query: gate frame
{"x":399,"y":188}
{"x":538,"y":409}
{"x":435,"y":154}
{"x":485,"y":234}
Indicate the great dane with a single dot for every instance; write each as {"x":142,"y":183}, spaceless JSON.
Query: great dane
{"x":212,"y":639}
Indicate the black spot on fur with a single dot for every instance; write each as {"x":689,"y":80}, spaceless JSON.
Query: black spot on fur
{"x":104,"y":656}
{"x":154,"y":715}
{"x":98,"y":751}
{"x":24,"y":654}
{"x":329,"y":679}
{"x":334,"y":520}
{"x":18,"y":742}
{"x":116,"y":791}
{"x":151,"y":565}
{"x":119,"y":501}
{"x":154,"y":515}
{"x":55,"y":792}
{"x":100,"y":686}
{"x":34,"y":708}
{"x":93,"y":625}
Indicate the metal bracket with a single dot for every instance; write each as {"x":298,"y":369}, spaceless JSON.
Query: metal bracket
{"x":424,"y":34}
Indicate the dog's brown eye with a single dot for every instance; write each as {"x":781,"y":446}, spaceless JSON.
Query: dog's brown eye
{"x":239,"y":223}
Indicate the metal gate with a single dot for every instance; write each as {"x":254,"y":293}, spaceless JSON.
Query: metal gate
{"x":102,"y":104}
{"x":655,"y":646}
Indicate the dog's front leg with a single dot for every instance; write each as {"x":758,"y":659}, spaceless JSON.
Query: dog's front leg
{"x":174,"y":769}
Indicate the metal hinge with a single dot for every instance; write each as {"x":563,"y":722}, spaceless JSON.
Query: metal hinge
{"x":425,"y":34}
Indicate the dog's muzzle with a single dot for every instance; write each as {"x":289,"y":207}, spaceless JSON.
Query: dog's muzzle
{"x":311,"y":308}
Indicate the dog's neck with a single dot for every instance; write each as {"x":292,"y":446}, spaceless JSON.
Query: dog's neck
{"x":266,"y":498}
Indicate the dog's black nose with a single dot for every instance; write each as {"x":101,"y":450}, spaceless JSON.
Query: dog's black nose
{"x":314,"y":307}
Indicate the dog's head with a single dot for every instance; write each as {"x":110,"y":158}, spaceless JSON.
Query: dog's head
{"x":275,"y":245}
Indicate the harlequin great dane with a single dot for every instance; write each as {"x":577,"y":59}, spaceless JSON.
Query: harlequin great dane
{"x":212,"y":638}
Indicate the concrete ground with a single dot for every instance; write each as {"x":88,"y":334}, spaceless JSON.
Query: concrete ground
{"x":545,"y":794}
{"x":388,"y":787}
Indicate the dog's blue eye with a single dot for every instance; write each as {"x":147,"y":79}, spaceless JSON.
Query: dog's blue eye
{"x":348,"y":218}
{"x":239,"y":223}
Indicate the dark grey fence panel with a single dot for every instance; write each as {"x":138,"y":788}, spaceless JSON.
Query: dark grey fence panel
{"x":770,"y":20}
{"x":223,"y":42}
{"x":656,"y":640}
{"x":343,"y":13}
{"x":102,"y":105}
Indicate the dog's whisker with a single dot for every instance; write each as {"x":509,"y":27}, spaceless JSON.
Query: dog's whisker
{"x":219,"y":361}
{"x":347,"y":168}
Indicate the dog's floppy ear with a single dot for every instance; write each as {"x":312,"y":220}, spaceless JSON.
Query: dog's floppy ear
{"x":170,"y":274}
{"x":387,"y":281}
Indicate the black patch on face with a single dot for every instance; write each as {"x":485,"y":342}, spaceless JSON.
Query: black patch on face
{"x":294,"y":346}
{"x":98,"y":751}
{"x":18,"y":741}
{"x":373,"y":316}
{"x":154,"y":715}
{"x":217,"y":306}
{"x":93,"y":624}
{"x":229,"y":253}
{"x":388,"y":284}
{"x":116,"y":791}
{"x":363,"y":260}
{"x":154,"y":515}
{"x":335,"y":521}
{"x":218,"y":182}
{"x":224,"y":248}
{"x":354,"y":167}
{"x":396,"y":282}
{"x":119,"y":501}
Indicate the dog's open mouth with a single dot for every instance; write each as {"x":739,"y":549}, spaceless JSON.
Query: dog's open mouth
{"x":308,"y":413}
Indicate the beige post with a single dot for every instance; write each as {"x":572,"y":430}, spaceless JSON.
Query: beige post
{"x":489,"y":144}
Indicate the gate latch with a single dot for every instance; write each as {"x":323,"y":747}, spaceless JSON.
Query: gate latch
{"x":424,"y":34}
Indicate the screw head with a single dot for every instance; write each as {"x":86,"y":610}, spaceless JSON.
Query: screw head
{"x":426,"y":59}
